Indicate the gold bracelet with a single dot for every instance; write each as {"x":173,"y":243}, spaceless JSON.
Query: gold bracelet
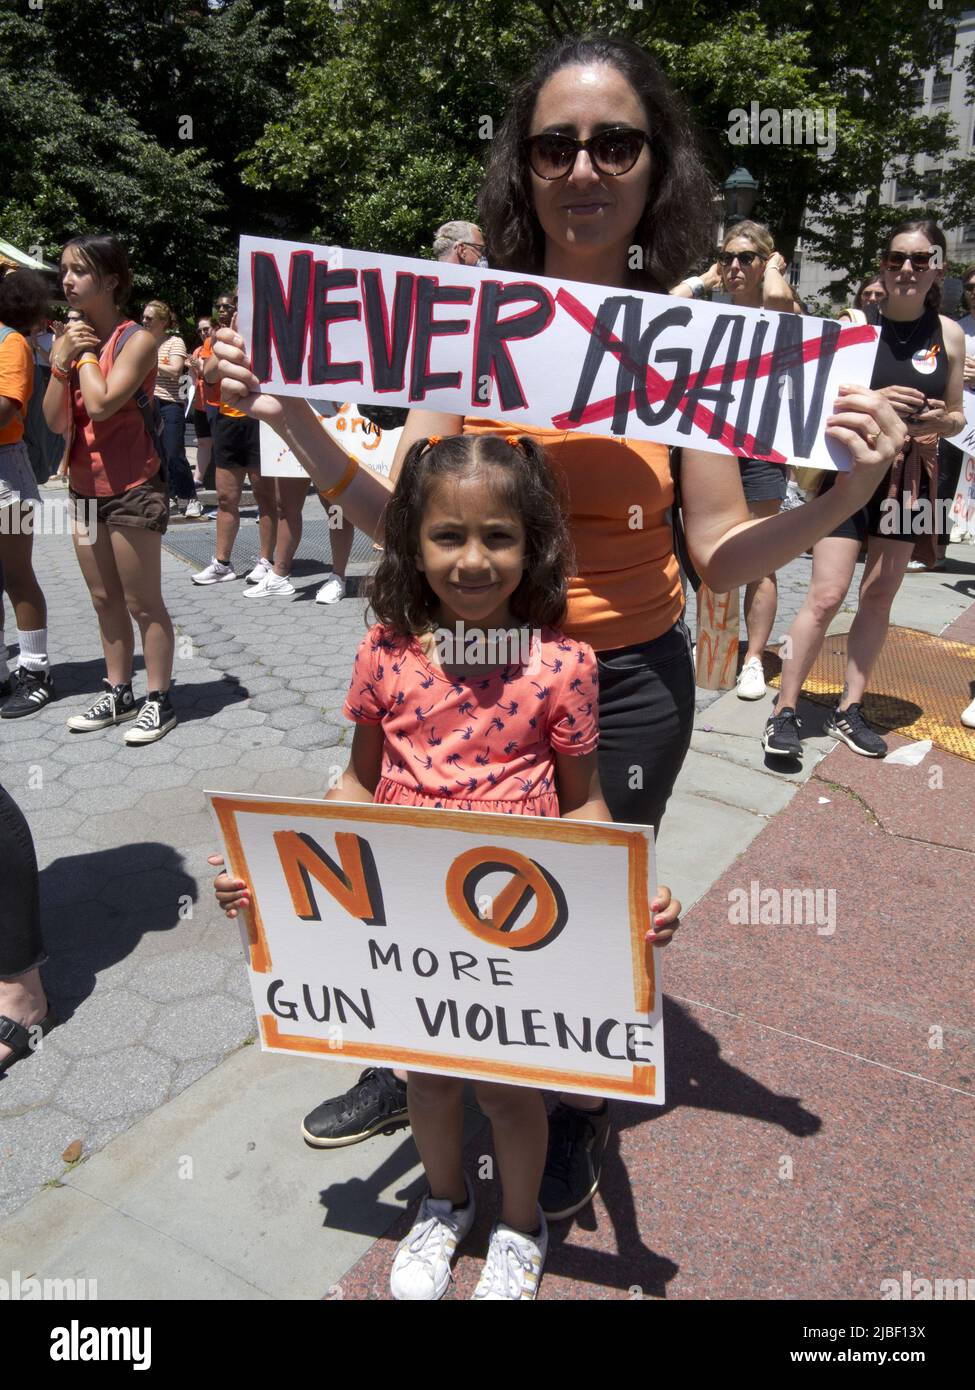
{"x":87,"y":359}
{"x":331,"y":493}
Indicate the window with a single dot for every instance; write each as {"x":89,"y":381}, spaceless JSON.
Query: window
{"x":905,"y":188}
{"x":917,"y":92}
{"x":941,"y":87}
{"x":968,"y":233}
{"x":930,"y":183}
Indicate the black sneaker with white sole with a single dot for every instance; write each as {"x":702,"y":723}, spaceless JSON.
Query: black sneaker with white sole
{"x":376,"y":1103}
{"x":576,"y":1144}
{"x":117,"y":705}
{"x":781,"y":738}
{"x":156,"y":718}
{"x":850,"y":726}
{"x":30,"y":692}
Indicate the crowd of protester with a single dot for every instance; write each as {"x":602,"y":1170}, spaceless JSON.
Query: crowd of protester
{"x":115,"y":396}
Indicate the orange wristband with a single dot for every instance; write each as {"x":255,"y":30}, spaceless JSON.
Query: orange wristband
{"x":331,"y":493}
{"x":87,"y":359}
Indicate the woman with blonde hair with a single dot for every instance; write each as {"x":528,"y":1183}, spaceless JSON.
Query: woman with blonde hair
{"x":160,"y":321}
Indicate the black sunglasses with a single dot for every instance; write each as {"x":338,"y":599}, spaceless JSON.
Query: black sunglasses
{"x":920,"y":260}
{"x":612,"y":152}
{"x":744,"y":258}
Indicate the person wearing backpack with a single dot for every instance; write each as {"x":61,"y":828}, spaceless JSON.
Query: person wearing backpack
{"x":103,"y":371}
{"x":23,"y":299}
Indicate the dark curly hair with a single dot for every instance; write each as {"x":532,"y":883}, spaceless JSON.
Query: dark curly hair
{"x":24,"y":299}
{"x":399,"y":594}
{"x":676,"y":229}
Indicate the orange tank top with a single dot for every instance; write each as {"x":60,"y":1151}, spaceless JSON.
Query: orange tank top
{"x":627,"y":588}
{"x":110,"y":456}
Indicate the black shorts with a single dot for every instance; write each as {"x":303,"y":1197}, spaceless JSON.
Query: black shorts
{"x":874,"y":519}
{"x":237,"y":442}
{"x":201,"y":424}
{"x":21,"y":946}
{"x":762,"y":481}
{"x":144,"y":507}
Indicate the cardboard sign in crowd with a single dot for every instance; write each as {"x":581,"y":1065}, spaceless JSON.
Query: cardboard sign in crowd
{"x":328,"y":323}
{"x":502,"y":948}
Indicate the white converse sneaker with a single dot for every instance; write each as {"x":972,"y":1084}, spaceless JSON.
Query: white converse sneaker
{"x":513,"y":1266}
{"x":262,"y":568}
{"x":421,"y":1265}
{"x":194,"y":510}
{"x":272,"y":585}
{"x":332,"y":591}
{"x":751,"y":680}
{"x":215,"y":573}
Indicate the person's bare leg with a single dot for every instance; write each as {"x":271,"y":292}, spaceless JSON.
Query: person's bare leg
{"x":230,"y":485}
{"x":22,"y":998}
{"x":834,"y":560}
{"x":138,"y":558}
{"x":291,"y":494}
{"x":204,"y":452}
{"x":340,"y":538}
{"x":100,"y":572}
{"x":19,"y":580}
{"x":267,"y":513}
{"x":882,"y":576}
{"x":761,"y":596}
{"x":520,"y":1128}
{"x":436,"y":1105}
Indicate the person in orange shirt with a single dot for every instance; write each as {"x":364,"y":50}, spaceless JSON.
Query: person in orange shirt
{"x":23,"y":301}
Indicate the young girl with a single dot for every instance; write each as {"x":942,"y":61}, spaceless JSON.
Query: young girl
{"x":100,"y":367}
{"x":474,"y":536}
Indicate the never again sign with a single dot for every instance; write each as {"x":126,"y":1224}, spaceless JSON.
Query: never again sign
{"x":327,"y":322}
{"x":502,"y":948}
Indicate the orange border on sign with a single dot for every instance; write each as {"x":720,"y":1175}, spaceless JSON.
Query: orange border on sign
{"x":492,"y":827}
{"x":643,"y":1082}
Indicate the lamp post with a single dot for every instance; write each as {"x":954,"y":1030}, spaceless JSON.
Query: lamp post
{"x":739,"y":189}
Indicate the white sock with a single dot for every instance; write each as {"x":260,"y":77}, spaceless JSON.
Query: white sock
{"x":4,"y":668}
{"x":33,"y":649}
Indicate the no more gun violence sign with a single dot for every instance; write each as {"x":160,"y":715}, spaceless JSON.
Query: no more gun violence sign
{"x":496,"y":947}
{"x":325,"y":322}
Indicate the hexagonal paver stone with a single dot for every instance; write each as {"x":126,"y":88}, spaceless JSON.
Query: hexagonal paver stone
{"x":161,"y":886}
{"x":182,"y":975}
{"x":126,"y":1082}
{"x":272,"y":701}
{"x":107,"y":1021}
{"x":33,"y":1081}
{"x":294,"y":717}
{"x":30,"y":1152}
{"x":237,"y":718}
{"x":201,"y":1027}
{"x":314,"y":735}
{"x":92,"y":774}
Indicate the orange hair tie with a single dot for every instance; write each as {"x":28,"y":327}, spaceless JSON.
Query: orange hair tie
{"x":432,"y":440}
{"x":513,"y":440}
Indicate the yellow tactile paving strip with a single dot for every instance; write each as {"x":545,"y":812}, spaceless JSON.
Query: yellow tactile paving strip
{"x":919,"y":688}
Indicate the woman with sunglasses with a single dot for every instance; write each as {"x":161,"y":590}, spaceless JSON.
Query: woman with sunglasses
{"x":751,"y":272}
{"x":158,"y":319}
{"x":595,"y":161}
{"x":919,"y":369}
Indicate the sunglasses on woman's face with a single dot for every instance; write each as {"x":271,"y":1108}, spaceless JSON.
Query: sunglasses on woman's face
{"x":920,"y":260}
{"x":744,"y":258}
{"x":611,"y":152}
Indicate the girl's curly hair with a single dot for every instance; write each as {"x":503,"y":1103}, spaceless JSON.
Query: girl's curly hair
{"x":399,"y":594}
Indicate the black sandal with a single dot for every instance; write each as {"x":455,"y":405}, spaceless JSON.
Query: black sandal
{"x":18,"y":1037}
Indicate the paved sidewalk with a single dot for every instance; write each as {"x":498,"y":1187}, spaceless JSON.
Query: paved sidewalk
{"x":152,"y":1067}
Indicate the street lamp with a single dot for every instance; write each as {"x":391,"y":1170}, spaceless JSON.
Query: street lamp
{"x":739,"y":189}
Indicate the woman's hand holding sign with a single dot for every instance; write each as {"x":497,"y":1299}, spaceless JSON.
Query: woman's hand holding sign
{"x":872,"y":430}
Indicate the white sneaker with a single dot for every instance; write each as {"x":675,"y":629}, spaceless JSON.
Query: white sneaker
{"x":262,"y":568}
{"x":751,"y":680}
{"x":332,"y":591}
{"x":271,"y":585}
{"x":968,"y":716}
{"x":421,"y":1265}
{"x":215,"y":573}
{"x":194,"y":509}
{"x":514,"y":1265}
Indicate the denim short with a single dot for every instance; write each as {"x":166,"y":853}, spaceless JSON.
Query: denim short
{"x":17,"y":481}
{"x":646,"y":718}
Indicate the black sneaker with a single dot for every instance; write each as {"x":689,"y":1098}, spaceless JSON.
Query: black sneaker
{"x":5,"y":688}
{"x":156,"y":718}
{"x":114,"y":707}
{"x":32,"y":690}
{"x":576,"y":1144}
{"x":376,"y":1103}
{"x":781,"y":738}
{"x":850,"y":726}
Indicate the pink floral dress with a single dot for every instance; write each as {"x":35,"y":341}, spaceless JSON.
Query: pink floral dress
{"x":480,"y":743}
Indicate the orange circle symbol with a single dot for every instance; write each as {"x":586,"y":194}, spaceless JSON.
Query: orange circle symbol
{"x":526,"y":875}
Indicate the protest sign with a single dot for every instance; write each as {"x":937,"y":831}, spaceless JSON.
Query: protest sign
{"x":357,"y":436}
{"x":716,"y":645}
{"x":501,"y":948}
{"x":963,"y":505}
{"x":965,"y":438}
{"x":494,"y":344}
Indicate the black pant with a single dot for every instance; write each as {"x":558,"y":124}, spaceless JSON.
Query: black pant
{"x":174,"y":436}
{"x":646,"y":717}
{"x":20,"y":914}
